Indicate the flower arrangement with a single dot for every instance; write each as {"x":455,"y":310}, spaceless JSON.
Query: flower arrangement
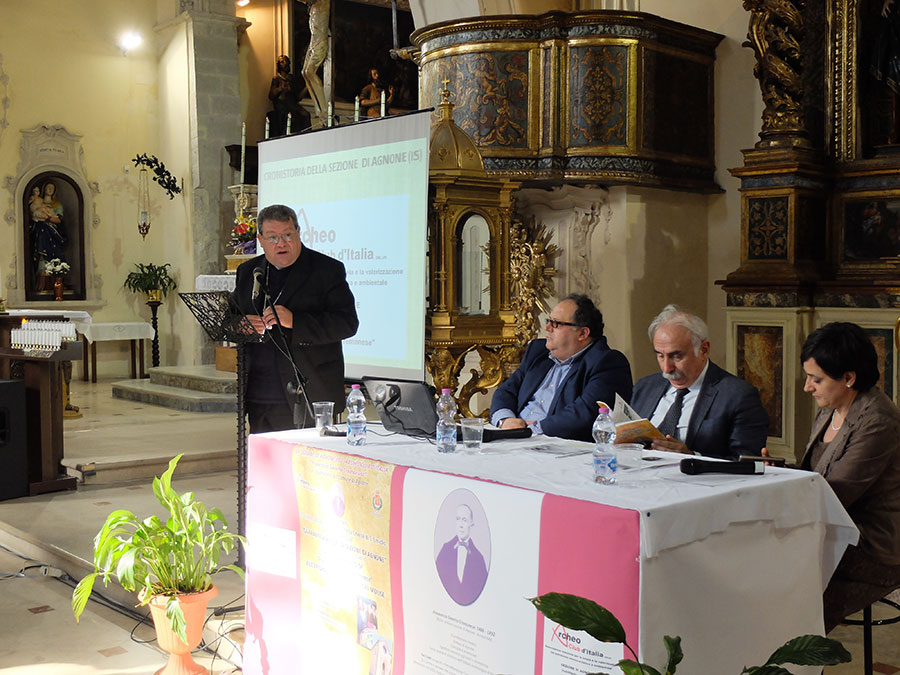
{"x":243,"y":234}
{"x":57,"y":268}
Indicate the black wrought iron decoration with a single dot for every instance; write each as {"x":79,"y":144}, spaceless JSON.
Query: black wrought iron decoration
{"x":166,"y":180}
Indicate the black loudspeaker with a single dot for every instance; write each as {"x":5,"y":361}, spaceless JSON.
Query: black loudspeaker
{"x":13,"y":446}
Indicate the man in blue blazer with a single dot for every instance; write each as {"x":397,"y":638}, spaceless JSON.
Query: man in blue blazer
{"x":716,"y":413}
{"x":556,"y":387}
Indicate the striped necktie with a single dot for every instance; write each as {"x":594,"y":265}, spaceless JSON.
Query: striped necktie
{"x":669,"y":424}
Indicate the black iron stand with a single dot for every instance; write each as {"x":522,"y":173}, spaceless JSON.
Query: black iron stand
{"x":223,"y":323}
{"x":154,"y":307}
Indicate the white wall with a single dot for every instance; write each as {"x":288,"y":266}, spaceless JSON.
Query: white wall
{"x":738,"y":116}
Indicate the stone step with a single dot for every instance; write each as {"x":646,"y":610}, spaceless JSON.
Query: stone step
{"x":129,"y":467}
{"x":199,"y":378}
{"x":177,"y":398}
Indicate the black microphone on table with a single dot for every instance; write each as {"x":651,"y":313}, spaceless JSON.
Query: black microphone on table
{"x":694,"y":466}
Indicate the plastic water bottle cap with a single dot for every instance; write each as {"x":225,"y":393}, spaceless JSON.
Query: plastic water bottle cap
{"x":445,"y":390}
{"x":355,"y":386}
{"x":602,"y":409}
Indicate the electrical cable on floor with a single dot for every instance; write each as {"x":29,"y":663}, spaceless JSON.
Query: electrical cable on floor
{"x":140,"y":619}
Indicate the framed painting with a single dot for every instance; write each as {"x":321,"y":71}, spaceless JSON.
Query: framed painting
{"x":869,"y":233}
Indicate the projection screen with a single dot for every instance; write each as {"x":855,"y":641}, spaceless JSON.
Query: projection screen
{"x":361,"y":195}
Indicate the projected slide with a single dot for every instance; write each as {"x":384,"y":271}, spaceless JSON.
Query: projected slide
{"x":360,"y":192}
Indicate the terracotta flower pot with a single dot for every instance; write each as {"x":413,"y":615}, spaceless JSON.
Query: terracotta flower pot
{"x":194,"y":607}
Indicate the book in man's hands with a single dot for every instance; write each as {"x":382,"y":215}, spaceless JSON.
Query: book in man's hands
{"x":630,"y":427}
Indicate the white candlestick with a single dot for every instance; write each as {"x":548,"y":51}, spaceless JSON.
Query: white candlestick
{"x":243,"y":148}
{"x":330,"y":114}
{"x":383,"y":103}
{"x":356,"y":110}
{"x":267,"y":129}
{"x":288,"y":130}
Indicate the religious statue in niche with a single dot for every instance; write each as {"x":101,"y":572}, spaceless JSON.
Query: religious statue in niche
{"x":285,"y":92}
{"x":370,"y":96}
{"x":52,"y":225}
{"x":47,"y":232}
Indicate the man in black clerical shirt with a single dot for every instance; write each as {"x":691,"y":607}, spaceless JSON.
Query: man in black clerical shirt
{"x":298,"y":298}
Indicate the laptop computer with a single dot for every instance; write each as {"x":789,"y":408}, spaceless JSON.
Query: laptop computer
{"x":408,"y":408}
{"x":404,"y":407}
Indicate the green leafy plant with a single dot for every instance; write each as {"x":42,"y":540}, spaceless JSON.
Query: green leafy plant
{"x":150,"y":277}
{"x":577,"y":613}
{"x":169,"y":558}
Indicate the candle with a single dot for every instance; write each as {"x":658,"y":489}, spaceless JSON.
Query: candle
{"x":288,"y":130}
{"x":330,"y":113}
{"x":383,"y":106}
{"x":243,"y":148}
{"x":356,"y":110}
{"x":267,"y":129}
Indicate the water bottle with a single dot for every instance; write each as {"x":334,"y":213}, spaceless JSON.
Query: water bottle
{"x":605,"y":460}
{"x":356,"y":416}
{"x":446,"y":424}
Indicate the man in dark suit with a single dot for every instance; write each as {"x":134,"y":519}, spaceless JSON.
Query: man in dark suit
{"x":556,"y":387}
{"x":460,"y":565}
{"x":701,"y":408}
{"x":298,"y":298}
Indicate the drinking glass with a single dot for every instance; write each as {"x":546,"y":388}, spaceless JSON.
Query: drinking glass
{"x":472,"y":432}
{"x":631,"y":455}
{"x":324,"y":411}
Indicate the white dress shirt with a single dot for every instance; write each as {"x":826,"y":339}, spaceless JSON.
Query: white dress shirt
{"x":687,"y":404}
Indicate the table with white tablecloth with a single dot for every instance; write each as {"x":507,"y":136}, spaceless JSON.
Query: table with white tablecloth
{"x":214,"y":282}
{"x":133,"y":331}
{"x":345,"y":549}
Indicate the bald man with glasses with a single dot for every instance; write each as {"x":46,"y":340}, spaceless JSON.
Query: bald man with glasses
{"x":556,"y":387}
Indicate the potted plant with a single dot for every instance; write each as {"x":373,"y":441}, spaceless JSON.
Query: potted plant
{"x":170,"y":563}
{"x":153,"y":280}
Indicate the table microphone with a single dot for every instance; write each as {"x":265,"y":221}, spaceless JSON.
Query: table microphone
{"x":694,"y":466}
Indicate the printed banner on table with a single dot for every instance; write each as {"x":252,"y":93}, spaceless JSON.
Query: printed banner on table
{"x":344,"y":507}
{"x":358,"y":566}
{"x":470,"y":560}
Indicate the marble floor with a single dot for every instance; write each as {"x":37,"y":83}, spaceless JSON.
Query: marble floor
{"x":45,"y":541}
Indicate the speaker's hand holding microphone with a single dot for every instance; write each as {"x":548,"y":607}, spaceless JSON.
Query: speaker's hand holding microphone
{"x":285,"y":317}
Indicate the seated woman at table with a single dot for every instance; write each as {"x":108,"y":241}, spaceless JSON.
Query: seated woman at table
{"x":855,"y":445}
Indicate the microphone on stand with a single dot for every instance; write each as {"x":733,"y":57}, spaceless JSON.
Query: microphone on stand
{"x":257,"y":283}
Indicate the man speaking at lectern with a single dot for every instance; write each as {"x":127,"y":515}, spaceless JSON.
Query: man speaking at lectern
{"x":300,"y":298}
{"x":556,"y":387}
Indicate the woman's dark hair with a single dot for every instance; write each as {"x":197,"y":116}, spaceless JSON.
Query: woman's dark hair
{"x":586,"y":314}
{"x":842,"y":347}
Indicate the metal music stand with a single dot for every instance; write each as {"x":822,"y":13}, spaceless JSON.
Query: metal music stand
{"x":223,"y":322}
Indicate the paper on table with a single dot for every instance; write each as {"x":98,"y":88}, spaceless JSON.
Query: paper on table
{"x":631,"y":427}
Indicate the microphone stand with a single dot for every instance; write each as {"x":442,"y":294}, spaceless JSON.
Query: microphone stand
{"x":296,"y":390}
